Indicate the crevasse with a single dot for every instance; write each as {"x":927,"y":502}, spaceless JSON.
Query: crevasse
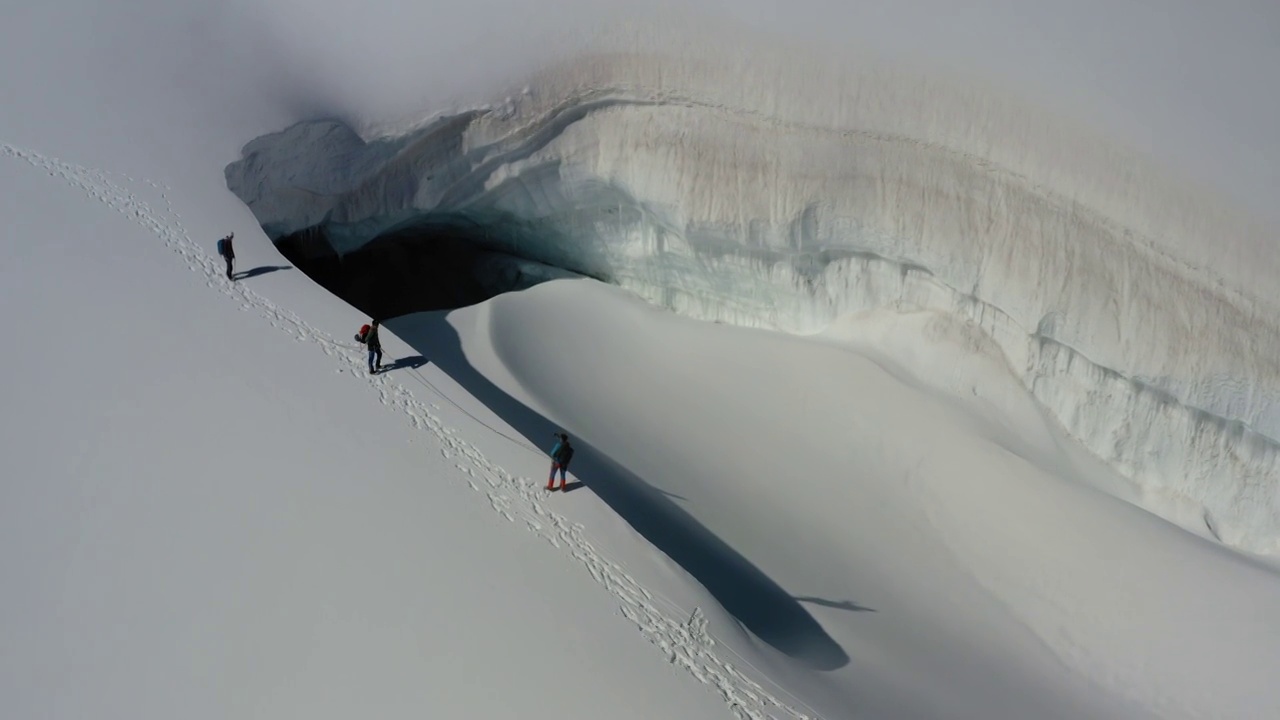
{"x":765,"y":191}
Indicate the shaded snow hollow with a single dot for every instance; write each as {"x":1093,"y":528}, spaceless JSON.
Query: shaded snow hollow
{"x":794,"y":197}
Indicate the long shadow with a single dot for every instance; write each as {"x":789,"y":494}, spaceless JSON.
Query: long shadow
{"x":415,"y":361}
{"x":756,"y":601}
{"x":849,"y":605}
{"x":260,"y":270}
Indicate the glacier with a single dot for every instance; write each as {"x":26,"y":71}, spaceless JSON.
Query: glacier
{"x":781,"y":191}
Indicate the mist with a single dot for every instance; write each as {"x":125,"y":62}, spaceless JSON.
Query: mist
{"x":1190,"y":84}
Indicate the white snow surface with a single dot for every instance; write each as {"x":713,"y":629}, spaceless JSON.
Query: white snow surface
{"x":774,"y":190}
{"x":209,"y":509}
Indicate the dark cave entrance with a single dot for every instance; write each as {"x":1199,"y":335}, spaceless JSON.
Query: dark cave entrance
{"x":432,"y":263}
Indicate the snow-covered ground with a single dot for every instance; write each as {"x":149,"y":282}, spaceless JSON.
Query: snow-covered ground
{"x":208,"y":508}
{"x":211,"y":510}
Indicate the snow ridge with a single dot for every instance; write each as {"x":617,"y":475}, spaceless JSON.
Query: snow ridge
{"x":1139,"y":313}
{"x":682,"y":635}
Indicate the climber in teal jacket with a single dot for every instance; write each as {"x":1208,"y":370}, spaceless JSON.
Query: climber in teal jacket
{"x":561,"y":454}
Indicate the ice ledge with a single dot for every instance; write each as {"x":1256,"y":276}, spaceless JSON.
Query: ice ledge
{"x":1162,"y":364}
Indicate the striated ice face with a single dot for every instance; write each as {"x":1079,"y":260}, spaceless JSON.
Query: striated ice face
{"x":1140,"y":315}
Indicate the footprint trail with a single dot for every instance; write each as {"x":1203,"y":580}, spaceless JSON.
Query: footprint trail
{"x":682,"y":636}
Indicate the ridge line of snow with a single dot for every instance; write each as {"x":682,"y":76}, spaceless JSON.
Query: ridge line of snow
{"x":688,"y":643}
{"x":1204,"y":429}
{"x":1257,"y":451}
{"x":500,"y":151}
{"x":591,"y":101}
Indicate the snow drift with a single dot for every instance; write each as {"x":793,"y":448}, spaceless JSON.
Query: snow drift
{"x":760,"y":190}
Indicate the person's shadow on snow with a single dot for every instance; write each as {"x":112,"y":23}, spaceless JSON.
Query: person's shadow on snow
{"x":260,"y":270}
{"x":741,"y":588}
{"x":836,"y":604}
{"x":412,"y":362}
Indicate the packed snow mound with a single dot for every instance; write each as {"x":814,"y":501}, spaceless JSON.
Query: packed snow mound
{"x":769,"y":191}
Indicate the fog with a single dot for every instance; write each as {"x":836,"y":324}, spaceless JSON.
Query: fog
{"x":1192,"y":84}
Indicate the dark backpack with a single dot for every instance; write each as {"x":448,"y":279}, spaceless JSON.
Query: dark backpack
{"x":364,"y":333}
{"x":222,"y":247}
{"x":566,"y":454}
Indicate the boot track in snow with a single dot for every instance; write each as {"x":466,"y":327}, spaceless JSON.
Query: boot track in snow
{"x":682,"y":635}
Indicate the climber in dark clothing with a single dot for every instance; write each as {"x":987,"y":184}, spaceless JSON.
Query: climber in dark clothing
{"x":561,"y":454}
{"x":375,"y":348}
{"x":228,"y":253}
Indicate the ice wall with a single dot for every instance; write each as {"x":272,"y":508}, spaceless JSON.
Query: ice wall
{"x":779,"y":191}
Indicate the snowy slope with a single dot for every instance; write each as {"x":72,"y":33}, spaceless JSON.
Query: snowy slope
{"x":966,"y":565}
{"x":209,"y":509}
{"x":762,"y":189}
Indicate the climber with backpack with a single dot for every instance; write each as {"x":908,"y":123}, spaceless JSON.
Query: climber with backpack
{"x":369,"y":336}
{"x":228,"y":253}
{"x":561,"y":454}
